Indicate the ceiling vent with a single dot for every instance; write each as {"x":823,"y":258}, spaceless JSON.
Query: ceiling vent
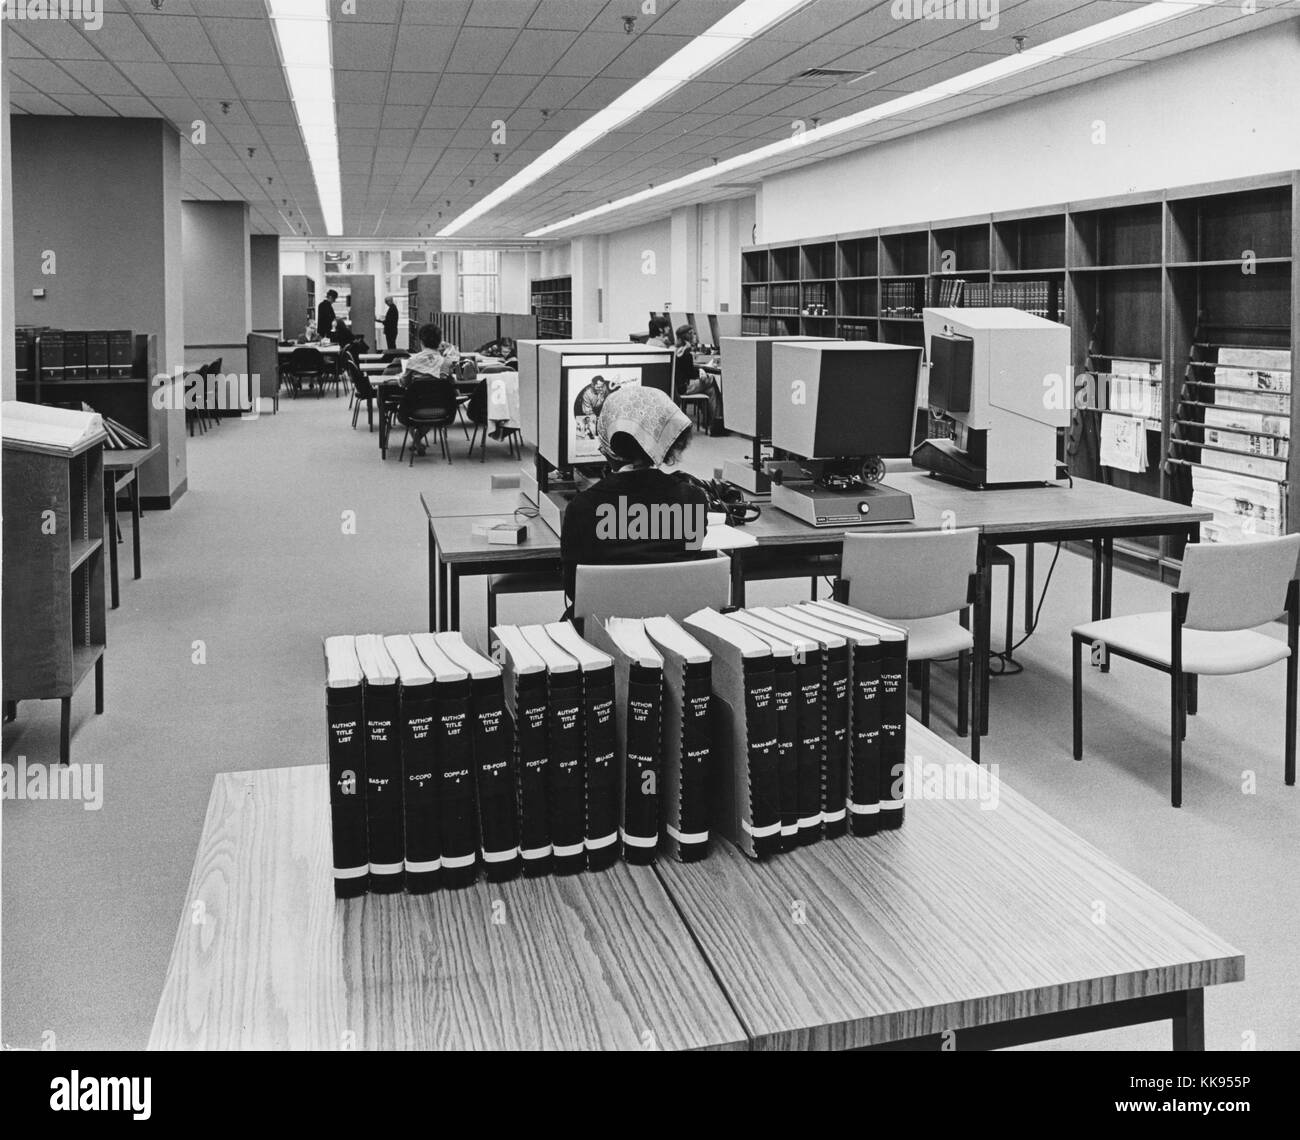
{"x":831,"y":75}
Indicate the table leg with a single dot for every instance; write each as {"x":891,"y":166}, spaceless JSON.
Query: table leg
{"x":65,"y":729}
{"x":444,"y":588}
{"x":99,"y":685}
{"x":1096,"y":579}
{"x":433,"y":583}
{"x":1029,"y":586}
{"x":135,"y":520}
{"x":1189,"y":1023}
{"x":737,"y":578}
{"x":454,"y":616}
{"x":983,"y":627}
{"x":1107,"y":580}
{"x":111,"y":538}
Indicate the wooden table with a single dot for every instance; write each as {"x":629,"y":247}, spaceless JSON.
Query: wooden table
{"x":456,"y":552}
{"x":981,"y":924}
{"x":266,"y":958}
{"x":789,"y":547}
{"x":122,"y":470}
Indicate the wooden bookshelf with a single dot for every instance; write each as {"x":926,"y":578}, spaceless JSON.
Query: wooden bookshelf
{"x":54,"y":607}
{"x":1137,"y":277}
{"x":423,"y":305}
{"x":298,"y":294}
{"x":552,"y":305}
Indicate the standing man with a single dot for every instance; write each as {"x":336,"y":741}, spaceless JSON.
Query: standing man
{"x":325,"y":315}
{"x":390,"y":324}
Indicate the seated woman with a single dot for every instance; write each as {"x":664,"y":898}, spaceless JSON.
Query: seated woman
{"x":687,"y":379}
{"x":435,"y":358}
{"x":640,"y":431}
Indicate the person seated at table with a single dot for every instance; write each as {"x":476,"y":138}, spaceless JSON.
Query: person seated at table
{"x":687,"y":378}
{"x":640,"y":431}
{"x":661,"y":333}
{"x":435,"y":358}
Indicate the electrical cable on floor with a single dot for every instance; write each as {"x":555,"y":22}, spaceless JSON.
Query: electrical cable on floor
{"x":1009,"y":667}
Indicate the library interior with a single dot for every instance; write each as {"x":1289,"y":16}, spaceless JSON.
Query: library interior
{"x":718,"y":509}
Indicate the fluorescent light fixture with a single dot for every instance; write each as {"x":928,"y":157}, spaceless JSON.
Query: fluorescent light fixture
{"x":302,"y":33}
{"x":735,"y":29}
{"x":1128,"y":23}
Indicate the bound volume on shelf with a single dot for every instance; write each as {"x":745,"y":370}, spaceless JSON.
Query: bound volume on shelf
{"x":638,"y":712}
{"x":345,"y":725}
{"x":687,"y":730}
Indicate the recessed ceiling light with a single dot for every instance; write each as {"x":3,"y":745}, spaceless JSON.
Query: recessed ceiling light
{"x":1114,"y":28}
{"x":738,"y":27}
{"x":302,"y":34}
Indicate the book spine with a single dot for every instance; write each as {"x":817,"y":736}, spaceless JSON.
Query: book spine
{"x":785,"y":694}
{"x":532,"y":759}
{"x":602,"y":774}
{"x":812,"y":750}
{"x":384,"y":788}
{"x":864,"y":765}
{"x":345,"y":721}
{"x":893,"y":731}
{"x":692,"y":838}
{"x":566,"y":793}
{"x":97,"y":355}
{"x":642,"y":767}
{"x":456,"y":809}
{"x":420,"y":790}
{"x":495,"y":777}
{"x":836,"y":735}
{"x":764,"y":822}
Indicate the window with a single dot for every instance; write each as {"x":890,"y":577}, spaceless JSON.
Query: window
{"x":479,"y":276}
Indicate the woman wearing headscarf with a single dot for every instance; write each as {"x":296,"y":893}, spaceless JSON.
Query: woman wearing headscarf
{"x":640,"y":432}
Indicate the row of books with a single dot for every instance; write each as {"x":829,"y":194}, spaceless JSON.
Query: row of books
{"x":948,"y":292}
{"x":53,"y":355}
{"x":784,"y":300}
{"x":562,"y":753}
{"x":1036,"y":297}
{"x":898,"y":299}
{"x":817,"y":297}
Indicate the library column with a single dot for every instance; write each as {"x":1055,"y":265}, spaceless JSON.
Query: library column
{"x":97,"y":232}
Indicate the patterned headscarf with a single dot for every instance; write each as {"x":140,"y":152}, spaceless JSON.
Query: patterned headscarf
{"x":648,"y":415}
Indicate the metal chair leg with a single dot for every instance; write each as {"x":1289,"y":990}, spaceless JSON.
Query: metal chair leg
{"x":963,"y":690}
{"x":1076,"y":687}
{"x":1177,"y":729}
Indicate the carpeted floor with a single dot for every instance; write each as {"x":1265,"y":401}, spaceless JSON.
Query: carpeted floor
{"x":214,"y":664}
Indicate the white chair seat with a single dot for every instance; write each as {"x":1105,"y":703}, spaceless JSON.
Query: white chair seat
{"x":1204,"y":651}
{"x":931,"y":638}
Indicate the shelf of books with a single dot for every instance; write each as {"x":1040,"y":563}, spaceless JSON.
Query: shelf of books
{"x":552,"y":305}
{"x":1183,"y":309}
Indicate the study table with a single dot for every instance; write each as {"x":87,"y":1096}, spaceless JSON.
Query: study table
{"x":121,"y":471}
{"x":967,"y":927}
{"x":787,"y":546}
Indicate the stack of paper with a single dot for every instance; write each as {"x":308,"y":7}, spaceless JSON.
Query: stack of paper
{"x":57,"y":429}
{"x":1123,"y":442}
{"x":1244,"y":508}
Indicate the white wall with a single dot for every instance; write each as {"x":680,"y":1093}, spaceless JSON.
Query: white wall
{"x":513,"y":293}
{"x":557,"y":261}
{"x":1223,"y":111}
